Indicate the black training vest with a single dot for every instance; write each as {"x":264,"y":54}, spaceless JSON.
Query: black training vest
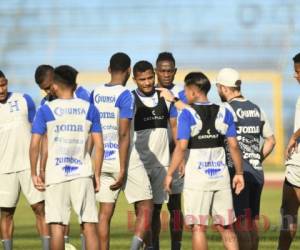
{"x":149,"y":118}
{"x":208,"y":137}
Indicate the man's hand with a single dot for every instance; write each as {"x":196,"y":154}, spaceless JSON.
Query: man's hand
{"x":119,"y":182}
{"x":181,"y":169}
{"x":96,"y":181}
{"x":167,"y":94}
{"x":167,"y":183}
{"x":42,"y":175}
{"x":38,"y":183}
{"x":291,"y":148}
{"x":238,"y":183}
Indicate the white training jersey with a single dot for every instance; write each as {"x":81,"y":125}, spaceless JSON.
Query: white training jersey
{"x":67,"y":123}
{"x":149,"y":138}
{"x":292,"y":172}
{"x":205,"y":126}
{"x":113,"y":102}
{"x":16,"y":115}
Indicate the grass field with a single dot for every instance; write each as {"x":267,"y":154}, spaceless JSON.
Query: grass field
{"x":26,"y":236}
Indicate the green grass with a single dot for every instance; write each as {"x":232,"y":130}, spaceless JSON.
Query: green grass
{"x":27,"y":238}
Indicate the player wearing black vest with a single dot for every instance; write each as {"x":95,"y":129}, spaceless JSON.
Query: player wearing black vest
{"x":201,"y":131}
{"x":252,"y":126}
{"x":150,"y":142}
{"x":166,"y":71}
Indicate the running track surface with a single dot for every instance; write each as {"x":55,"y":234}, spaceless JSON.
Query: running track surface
{"x":274,"y":179}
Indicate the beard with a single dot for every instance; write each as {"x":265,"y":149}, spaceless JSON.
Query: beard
{"x":222,"y":97}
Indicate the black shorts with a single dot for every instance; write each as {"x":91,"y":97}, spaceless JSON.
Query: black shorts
{"x":247,"y":203}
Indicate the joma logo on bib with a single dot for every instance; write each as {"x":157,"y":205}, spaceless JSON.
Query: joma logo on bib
{"x":247,"y":113}
{"x":248,"y":129}
{"x":108,"y":115}
{"x":68,"y":128}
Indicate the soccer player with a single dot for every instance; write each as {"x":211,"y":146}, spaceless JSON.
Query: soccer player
{"x":68,"y":121}
{"x":16,"y":115}
{"x":165,"y":72}
{"x":252,"y":125}
{"x":115,"y":104}
{"x":291,"y":186}
{"x":202,"y":129}
{"x":150,"y":143}
{"x":44,"y":78}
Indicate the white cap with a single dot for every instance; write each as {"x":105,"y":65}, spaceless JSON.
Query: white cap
{"x":228,"y":77}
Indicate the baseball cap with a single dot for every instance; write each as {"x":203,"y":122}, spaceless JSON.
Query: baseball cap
{"x":228,"y":77}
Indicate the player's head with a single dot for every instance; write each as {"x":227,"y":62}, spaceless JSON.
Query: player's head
{"x":119,"y":64}
{"x":44,"y":77}
{"x":296,"y":60}
{"x":3,"y":87}
{"x":165,"y":69}
{"x":228,"y":83}
{"x":144,"y":76}
{"x":64,"y":80}
{"x":196,"y":85}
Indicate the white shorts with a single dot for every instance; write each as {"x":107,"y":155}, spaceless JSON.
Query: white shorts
{"x":292,"y":174}
{"x":177,"y":183}
{"x":80,"y":192}
{"x":137,"y":186}
{"x":157,"y":176}
{"x":105,"y":194}
{"x":11,"y":185}
{"x":200,"y":205}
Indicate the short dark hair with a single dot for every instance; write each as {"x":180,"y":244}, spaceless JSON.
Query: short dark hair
{"x":65,"y":75}
{"x":296,"y":58}
{"x":237,"y":87}
{"x":41,"y":72}
{"x":2,"y":74}
{"x":199,"y":80}
{"x":119,"y":62}
{"x":142,"y":66}
{"x":165,"y":56}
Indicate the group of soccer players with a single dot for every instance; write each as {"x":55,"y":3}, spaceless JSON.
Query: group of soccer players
{"x":153,"y":143}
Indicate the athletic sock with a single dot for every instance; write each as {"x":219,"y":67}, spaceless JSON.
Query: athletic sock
{"x":82,"y":238}
{"x":7,"y":244}
{"x":66,"y":239}
{"x":176,"y":245}
{"x":45,"y":242}
{"x":136,"y":243}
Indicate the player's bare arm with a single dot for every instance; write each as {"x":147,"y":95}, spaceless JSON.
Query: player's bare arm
{"x":124,"y":142}
{"x":173,"y":126}
{"x":98,"y":157}
{"x":34,"y":155}
{"x":238,"y":180}
{"x":292,"y":144}
{"x":177,"y":158}
{"x":90,"y":145}
{"x":43,"y":156}
{"x":268,"y":146}
{"x":168,"y":95}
